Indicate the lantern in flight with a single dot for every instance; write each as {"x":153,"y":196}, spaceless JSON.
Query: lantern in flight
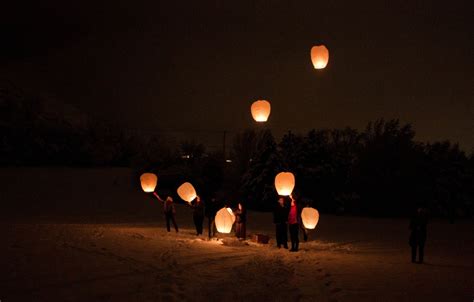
{"x":148,"y":182}
{"x":260,"y":110}
{"x":187,"y":192}
{"x":224,"y":220}
{"x":310,"y":217}
{"x":319,"y":56}
{"x":285,"y":183}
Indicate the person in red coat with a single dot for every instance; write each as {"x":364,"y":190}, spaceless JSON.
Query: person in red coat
{"x":294,"y":225}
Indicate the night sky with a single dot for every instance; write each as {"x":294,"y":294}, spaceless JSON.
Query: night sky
{"x":198,"y":65}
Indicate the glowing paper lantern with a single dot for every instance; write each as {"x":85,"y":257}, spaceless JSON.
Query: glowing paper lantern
{"x":224,"y":220}
{"x":310,"y":217}
{"x":231,"y":213}
{"x":148,"y":182}
{"x":285,"y":183}
{"x":260,"y":110}
{"x":186,"y":192}
{"x":319,"y":56}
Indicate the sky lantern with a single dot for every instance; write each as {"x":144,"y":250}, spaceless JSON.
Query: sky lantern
{"x":319,"y":56}
{"x":260,"y":110}
{"x":232,"y":213}
{"x":285,"y":183}
{"x":187,"y":192}
{"x":310,"y":217}
{"x":148,"y":182}
{"x":224,"y":220}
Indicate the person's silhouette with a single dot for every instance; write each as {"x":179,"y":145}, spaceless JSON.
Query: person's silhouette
{"x":418,"y":235}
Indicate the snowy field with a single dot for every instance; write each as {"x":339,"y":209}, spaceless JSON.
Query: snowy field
{"x":91,"y":235}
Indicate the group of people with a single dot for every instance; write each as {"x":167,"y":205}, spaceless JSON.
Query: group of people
{"x":200,"y":211}
{"x":286,"y":216}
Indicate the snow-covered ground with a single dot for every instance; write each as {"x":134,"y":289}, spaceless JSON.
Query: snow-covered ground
{"x":115,"y":248}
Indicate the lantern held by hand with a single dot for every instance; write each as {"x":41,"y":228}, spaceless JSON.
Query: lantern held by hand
{"x":187,"y":192}
{"x":148,"y":182}
{"x":285,"y":183}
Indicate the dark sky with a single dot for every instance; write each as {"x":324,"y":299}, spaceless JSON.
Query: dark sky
{"x":198,"y":65}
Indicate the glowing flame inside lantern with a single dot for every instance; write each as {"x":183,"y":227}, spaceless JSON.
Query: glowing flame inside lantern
{"x":187,"y":192}
{"x":285,"y":183}
{"x":224,"y":220}
{"x":310,"y":217}
{"x":260,"y":110}
{"x":319,"y":56}
{"x":148,"y":182}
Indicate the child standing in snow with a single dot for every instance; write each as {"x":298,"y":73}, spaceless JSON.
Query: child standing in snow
{"x":169,"y":211}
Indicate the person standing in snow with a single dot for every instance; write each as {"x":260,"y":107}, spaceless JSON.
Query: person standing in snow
{"x":418,"y":235}
{"x":294,"y":225}
{"x":240,"y":221}
{"x":211,"y":209}
{"x":198,"y":214}
{"x":301,"y":203}
{"x":169,"y":211}
{"x":280,"y":219}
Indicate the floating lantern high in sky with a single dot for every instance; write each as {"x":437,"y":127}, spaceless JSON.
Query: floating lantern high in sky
{"x":310,"y":217}
{"x":319,"y":56}
{"x":285,"y":183}
{"x":260,"y":110}
{"x":148,"y":182}
{"x":224,"y":220}
{"x":187,"y":192}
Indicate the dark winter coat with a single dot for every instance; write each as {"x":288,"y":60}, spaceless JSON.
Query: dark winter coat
{"x":240,"y":215}
{"x":211,"y":208}
{"x":418,"y":229}
{"x":280,"y":214}
{"x":198,"y":209}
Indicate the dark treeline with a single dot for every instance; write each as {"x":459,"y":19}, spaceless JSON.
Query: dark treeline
{"x":379,"y":171}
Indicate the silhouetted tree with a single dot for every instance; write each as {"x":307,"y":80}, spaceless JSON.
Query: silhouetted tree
{"x":258,"y":181}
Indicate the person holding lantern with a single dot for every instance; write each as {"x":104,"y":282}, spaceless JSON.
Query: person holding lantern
{"x":294,"y":225}
{"x":169,"y":211}
{"x":198,"y":214}
{"x":240,"y":221}
{"x":280,"y":219}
